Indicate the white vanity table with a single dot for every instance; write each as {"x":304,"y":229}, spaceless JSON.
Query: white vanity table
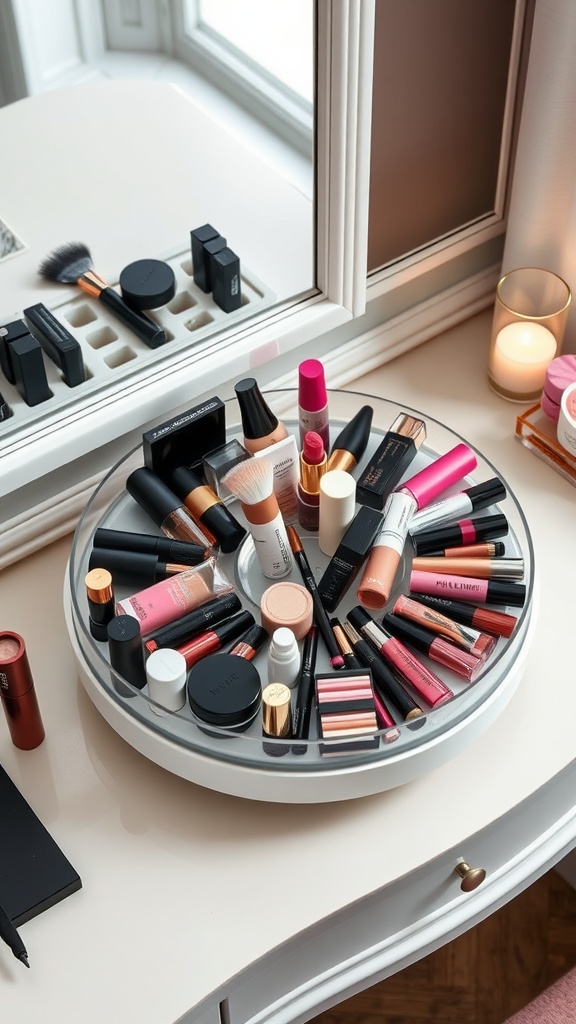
{"x":192,"y":899}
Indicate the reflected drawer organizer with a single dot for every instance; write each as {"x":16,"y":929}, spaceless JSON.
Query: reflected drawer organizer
{"x":112,"y":352}
{"x":238,"y":763}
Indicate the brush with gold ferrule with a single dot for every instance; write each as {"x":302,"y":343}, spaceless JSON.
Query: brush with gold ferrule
{"x":72,"y":264}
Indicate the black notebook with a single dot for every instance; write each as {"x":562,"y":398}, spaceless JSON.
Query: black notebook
{"x":34,"y":873}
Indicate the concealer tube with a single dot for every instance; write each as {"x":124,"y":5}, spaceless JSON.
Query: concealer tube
{"x":383,"y":561}
{"x":18,"y":694}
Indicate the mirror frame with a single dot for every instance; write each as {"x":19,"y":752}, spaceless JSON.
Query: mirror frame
{"x":345,"y":33}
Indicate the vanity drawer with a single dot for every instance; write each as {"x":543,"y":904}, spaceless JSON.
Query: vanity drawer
{"x":379,"y":935}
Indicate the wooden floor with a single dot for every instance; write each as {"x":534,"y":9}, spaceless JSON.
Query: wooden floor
{"x":485,"y":975}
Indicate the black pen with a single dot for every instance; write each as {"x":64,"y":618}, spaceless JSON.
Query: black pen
{"x":320,"y":613}
{"x":11,"y":937}
{"x":303,"y":709}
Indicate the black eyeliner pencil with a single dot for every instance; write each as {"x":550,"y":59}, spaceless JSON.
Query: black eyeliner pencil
{"x":305,"y":695}
{"x":11,"y":937}
{"x":320,"y":614}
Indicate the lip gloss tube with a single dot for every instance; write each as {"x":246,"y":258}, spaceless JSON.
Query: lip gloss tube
{"x":482,"y":568}
{"x":250,"y":642}
{"x":382,"y":676}
{"x":197,"y":621}
{"x":164,"y":548}
{"x":472,"y":640}
{"x":214,"y":639}
{"x":486,"y":549}
{"x":486,"y":619}
{"x":350,"y":659}
{"x":465,"y":588}
{"x":459,"y":506}
{"x":461,"y":662}
{"x":171,"y":599}
{"x":17,"y":692}
{"x":432,"y":689}
{"x":466,"y":531}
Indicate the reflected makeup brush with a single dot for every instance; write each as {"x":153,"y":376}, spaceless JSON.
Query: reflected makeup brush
{"x":72,"y":264}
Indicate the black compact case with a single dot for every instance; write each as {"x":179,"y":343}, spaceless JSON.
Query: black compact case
{"x":349,"y":556}
{"x":185,"y":439}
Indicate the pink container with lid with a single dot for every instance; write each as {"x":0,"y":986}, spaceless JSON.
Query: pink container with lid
{"x":560,"y":373}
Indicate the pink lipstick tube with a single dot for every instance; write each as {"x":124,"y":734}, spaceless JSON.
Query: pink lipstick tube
{"x":446,"y":470}
{"x":313,"y":401}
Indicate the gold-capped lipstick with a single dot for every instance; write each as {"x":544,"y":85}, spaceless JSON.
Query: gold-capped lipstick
{"x":100,"y":596}
{"x":390,"y":460}
{"x":350,"y":445}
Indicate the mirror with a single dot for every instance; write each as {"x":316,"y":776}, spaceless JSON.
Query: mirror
{"x":46,"y":205}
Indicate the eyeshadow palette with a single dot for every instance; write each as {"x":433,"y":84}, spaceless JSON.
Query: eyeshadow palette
{"x":239,"y":762}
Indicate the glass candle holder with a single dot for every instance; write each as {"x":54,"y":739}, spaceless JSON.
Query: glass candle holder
{"x":528,"y":327}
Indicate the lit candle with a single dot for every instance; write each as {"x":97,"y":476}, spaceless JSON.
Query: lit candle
{"x":522,"y":352}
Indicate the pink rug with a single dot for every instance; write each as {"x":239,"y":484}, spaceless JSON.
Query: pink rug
{"x":556,"y":1005}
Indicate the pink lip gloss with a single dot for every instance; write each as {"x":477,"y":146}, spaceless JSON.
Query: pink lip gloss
{"x":425,"y":683}
{"x":466,"y":588}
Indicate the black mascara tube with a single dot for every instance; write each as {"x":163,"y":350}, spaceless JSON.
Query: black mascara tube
{"x":305,"y":696}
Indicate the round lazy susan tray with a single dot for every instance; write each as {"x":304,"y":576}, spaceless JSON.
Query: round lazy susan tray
{"x":238,"y":763}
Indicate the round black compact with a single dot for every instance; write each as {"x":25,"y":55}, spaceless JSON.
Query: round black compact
{"x":224,"y":690}
{"x":147,"y":284}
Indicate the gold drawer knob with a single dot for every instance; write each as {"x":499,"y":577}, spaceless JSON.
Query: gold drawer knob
{"x":471,"y":877}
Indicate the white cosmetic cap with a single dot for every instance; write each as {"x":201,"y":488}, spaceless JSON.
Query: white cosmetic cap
{"x":337,"y":507}
{"x":284,"y":640}
{"x":166,"y":678}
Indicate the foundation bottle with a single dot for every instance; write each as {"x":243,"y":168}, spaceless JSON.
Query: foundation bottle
{"x":260,"y":426}
{"x":165,"y":508}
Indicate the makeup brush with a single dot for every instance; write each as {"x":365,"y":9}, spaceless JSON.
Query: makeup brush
{"x":72,"y":264}
{"x":252,"y":482}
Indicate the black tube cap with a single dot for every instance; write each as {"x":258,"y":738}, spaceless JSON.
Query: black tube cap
{"x":257,"y":417}
{"x":126,"y":653}
{"x":487,"y":493}
{"x":412,"y":633}
{"x":358,"y":617}
{"x":128,"y":568}
{"x":216,"y":517}
{"x":157,"y":500}
{"x":356,"y":434}
{"x":182,"y":552}
{"x":232,"y":628}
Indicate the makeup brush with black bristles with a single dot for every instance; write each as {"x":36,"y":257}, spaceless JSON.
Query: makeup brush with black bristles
{"x":72,"y":264}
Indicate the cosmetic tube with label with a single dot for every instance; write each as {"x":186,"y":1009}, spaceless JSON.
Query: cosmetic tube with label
{"x":435,"y":647}
{"x":197,"y":621}
{"x":465,"y":588}
{"x":349,"y":556}
{"x":485,"y":619}
{"x":475,"y":641}
{"x":390,"y":460}
{"x":282,"y":456}
{"x":380,"y":570}
{"x":283,"y":657}
{"x":384,"y":680}
{"x":465,"y":531}
{"x":458,"y":506}
{"x":164,"y":507}
{"x":171,"y":599}
{"x":252,"y":482}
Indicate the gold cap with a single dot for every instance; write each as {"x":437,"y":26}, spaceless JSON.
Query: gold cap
{"x":276,"y":720}
{"x":99,"y":586}
{"x":409,"y":426}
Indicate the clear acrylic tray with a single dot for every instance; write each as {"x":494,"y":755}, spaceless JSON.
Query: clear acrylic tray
{"x":238,"y":763}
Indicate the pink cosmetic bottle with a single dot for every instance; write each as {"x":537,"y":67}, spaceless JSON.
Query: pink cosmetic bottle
{"x":313,"y":401}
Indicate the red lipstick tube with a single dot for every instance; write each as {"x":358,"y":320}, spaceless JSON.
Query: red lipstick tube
{"x":18,"y":693}
{"x":214,"y":639}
